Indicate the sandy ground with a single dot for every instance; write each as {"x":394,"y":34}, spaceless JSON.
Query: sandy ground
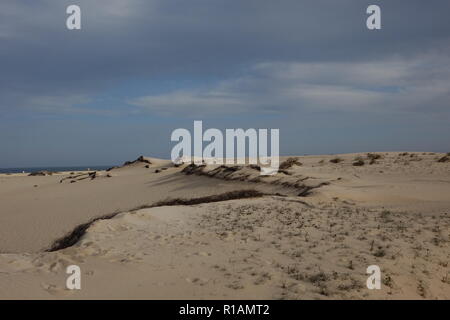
{"x":392,"y":212}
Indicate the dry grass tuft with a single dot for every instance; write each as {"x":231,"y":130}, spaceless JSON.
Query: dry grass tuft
{"x":289,"y":162}
{"x":374,"y":156}
{"x":444,"y":159}
{"x":358,"y":161}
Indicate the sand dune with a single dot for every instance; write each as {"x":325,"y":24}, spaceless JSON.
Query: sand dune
{"x":308,"y":232}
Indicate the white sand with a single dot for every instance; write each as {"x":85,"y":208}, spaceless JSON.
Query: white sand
{"x":394,"y":213}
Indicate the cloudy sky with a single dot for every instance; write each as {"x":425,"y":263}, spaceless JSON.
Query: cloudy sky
{"x":139,"y":69}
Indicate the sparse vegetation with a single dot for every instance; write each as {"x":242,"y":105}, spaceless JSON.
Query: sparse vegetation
{"x":336,"y":160}
{"x":78,"y":177}
{"x":232,"y":195}
{"x":289,"y":162}
{"x":71,"y":238}
{"x":237,"y":173}
{"x":141,"y":159}
{"x":352,"y":285}
{"x":385,"y":216}
{"x":444,"y":159}
{"x":374,"y":156}
{"x":318,"y":277}
{"x":380,"y":253}
{"x":40,"y":173}
{"x":358,"y":161}
{"x":421,"y":289}
{"x":387,"y":281}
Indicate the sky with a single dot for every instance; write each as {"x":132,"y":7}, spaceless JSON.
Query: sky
{"x":139,"y":69}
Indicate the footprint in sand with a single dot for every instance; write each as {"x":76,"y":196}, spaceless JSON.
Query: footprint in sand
{"x":203,"y":254}
{"x":117,"y":228}
{"x":54,"y":290}
{"x":59,"y":265}
{"x":48,"y":266}
{"x":198,"y":281}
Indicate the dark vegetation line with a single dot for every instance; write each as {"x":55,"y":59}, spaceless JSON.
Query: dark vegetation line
{"x":231,"y":195}
{"x":74,"y":236}
{"x":226,"y":173}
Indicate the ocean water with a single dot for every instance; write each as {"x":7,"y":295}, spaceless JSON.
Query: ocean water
{"x":52,"y":169}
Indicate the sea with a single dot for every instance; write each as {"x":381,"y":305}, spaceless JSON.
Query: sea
{"x":53,"y":169}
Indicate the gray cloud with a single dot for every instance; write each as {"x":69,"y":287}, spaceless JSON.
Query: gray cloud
{"x":395,"y":85}
{"x":310,"y":67}
{"x":195,"y":38}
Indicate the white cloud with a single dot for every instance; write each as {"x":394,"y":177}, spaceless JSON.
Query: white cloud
{"x":382,"y":86}
{"x":63,"y":104}
{"x":210,"y":101}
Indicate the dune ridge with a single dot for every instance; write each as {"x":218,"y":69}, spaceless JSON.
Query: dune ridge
{"x":158,"y":231}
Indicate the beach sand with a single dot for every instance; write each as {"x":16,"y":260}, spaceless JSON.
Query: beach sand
{"x":195,"y":232}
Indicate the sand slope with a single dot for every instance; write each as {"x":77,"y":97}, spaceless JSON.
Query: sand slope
{"x":393,"y":213}
{"x":31,"y":218}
